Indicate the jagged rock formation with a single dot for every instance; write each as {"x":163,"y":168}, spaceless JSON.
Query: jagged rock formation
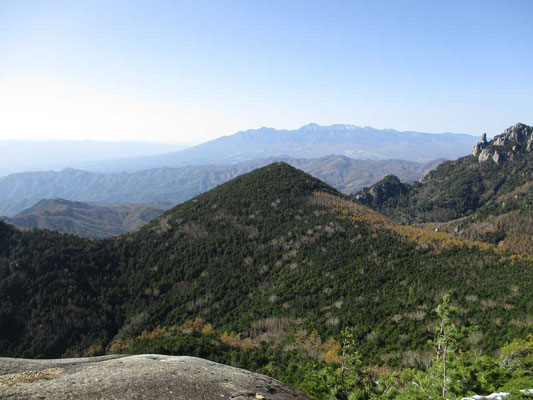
{"x":515,"y":140}
{"x":485,"y":196}
{"x":388,"y":187}
{"x":135,"y":377}
{"x":479,"y":146}
{"x":458,"y":188}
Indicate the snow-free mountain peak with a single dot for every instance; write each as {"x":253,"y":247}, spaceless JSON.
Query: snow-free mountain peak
{"x":309,"y":141}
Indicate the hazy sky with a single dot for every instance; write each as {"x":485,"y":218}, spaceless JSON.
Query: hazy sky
{"x":194,"y":70}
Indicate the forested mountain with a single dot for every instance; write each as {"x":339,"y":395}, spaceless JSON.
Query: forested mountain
{"x":506,"y":221}
{"x":83,"y":219}
{"x":175,"y":185}
{"x":487,"y":195}
{"x":269,"y":255}
{"x":309,"y":141}
{"x":263,"y":272}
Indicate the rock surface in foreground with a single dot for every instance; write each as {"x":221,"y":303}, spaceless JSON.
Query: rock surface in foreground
{"x":135,"y":377}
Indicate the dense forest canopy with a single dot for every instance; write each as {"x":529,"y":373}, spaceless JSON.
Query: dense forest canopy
{"x":263,"y":272}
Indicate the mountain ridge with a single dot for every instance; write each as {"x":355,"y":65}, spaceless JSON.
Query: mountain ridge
{"x":174,"y":185}
{"x":310,"y":141}
{"x":273,"y":243}
{"x":84,"y":219}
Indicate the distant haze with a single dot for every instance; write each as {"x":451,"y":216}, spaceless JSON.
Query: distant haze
{"x":309,"y":141}
{"x":26,"y":155}
{"x":175,"y":185}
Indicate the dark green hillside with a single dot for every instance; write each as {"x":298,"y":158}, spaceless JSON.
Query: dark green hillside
{"x":506,"y":221}
{"x":56,"y":292}
{"x":458,"y":188}
{"x":487,"y":196}
{"x":272,"y":247}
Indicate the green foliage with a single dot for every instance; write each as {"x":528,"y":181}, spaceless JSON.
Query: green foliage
{"x":458,"y":188}
{"x":518,"y":354}
{"x":268,"y":261}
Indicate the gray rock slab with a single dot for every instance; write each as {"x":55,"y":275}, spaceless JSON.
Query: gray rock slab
{"x":147,"y":376}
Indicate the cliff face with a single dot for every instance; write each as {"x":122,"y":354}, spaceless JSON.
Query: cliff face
{"x":135,"y":377}
{"x":516,"y":140}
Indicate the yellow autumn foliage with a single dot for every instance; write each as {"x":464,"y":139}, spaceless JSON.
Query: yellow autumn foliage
{"x":233,"y":340}
{"x":207,"y":329}
{"x":357,"y":213}
{"x":331,"y":351}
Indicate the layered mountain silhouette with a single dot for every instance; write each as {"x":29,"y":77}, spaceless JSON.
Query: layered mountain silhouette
{"x":175,"y":185}
{"x":309,"y":141}
{"x":28,"y":155}
{"x":89,"y":220}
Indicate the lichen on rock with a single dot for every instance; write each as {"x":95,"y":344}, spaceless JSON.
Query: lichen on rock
{"x":147,"y":376}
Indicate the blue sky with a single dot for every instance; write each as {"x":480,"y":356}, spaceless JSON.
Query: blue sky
{"x":195,"y":70}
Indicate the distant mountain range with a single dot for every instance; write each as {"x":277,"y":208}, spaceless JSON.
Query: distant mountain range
{"x":309,"y":141}
{"x":175,"y":185}
{"x":28,"y":155}
{"x":83,"y":219}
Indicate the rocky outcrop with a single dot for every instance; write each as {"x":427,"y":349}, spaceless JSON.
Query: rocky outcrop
{"x":135,"y":377}
{"x":479,"y":146}
{"x":518,"y":133}
{"x":378,"y":194}
{"x":513,"y":141}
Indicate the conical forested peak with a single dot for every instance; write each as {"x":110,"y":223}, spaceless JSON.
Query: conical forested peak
{"x":262,"y":186}
{"x":276,"y":178}
{"x":277,"y":192}
{"x":260,"y":259}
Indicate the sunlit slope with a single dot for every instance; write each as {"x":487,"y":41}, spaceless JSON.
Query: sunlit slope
{"x":274,"y":243}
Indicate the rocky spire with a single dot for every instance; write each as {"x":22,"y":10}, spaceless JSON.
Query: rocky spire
{"x":480,"y":145}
